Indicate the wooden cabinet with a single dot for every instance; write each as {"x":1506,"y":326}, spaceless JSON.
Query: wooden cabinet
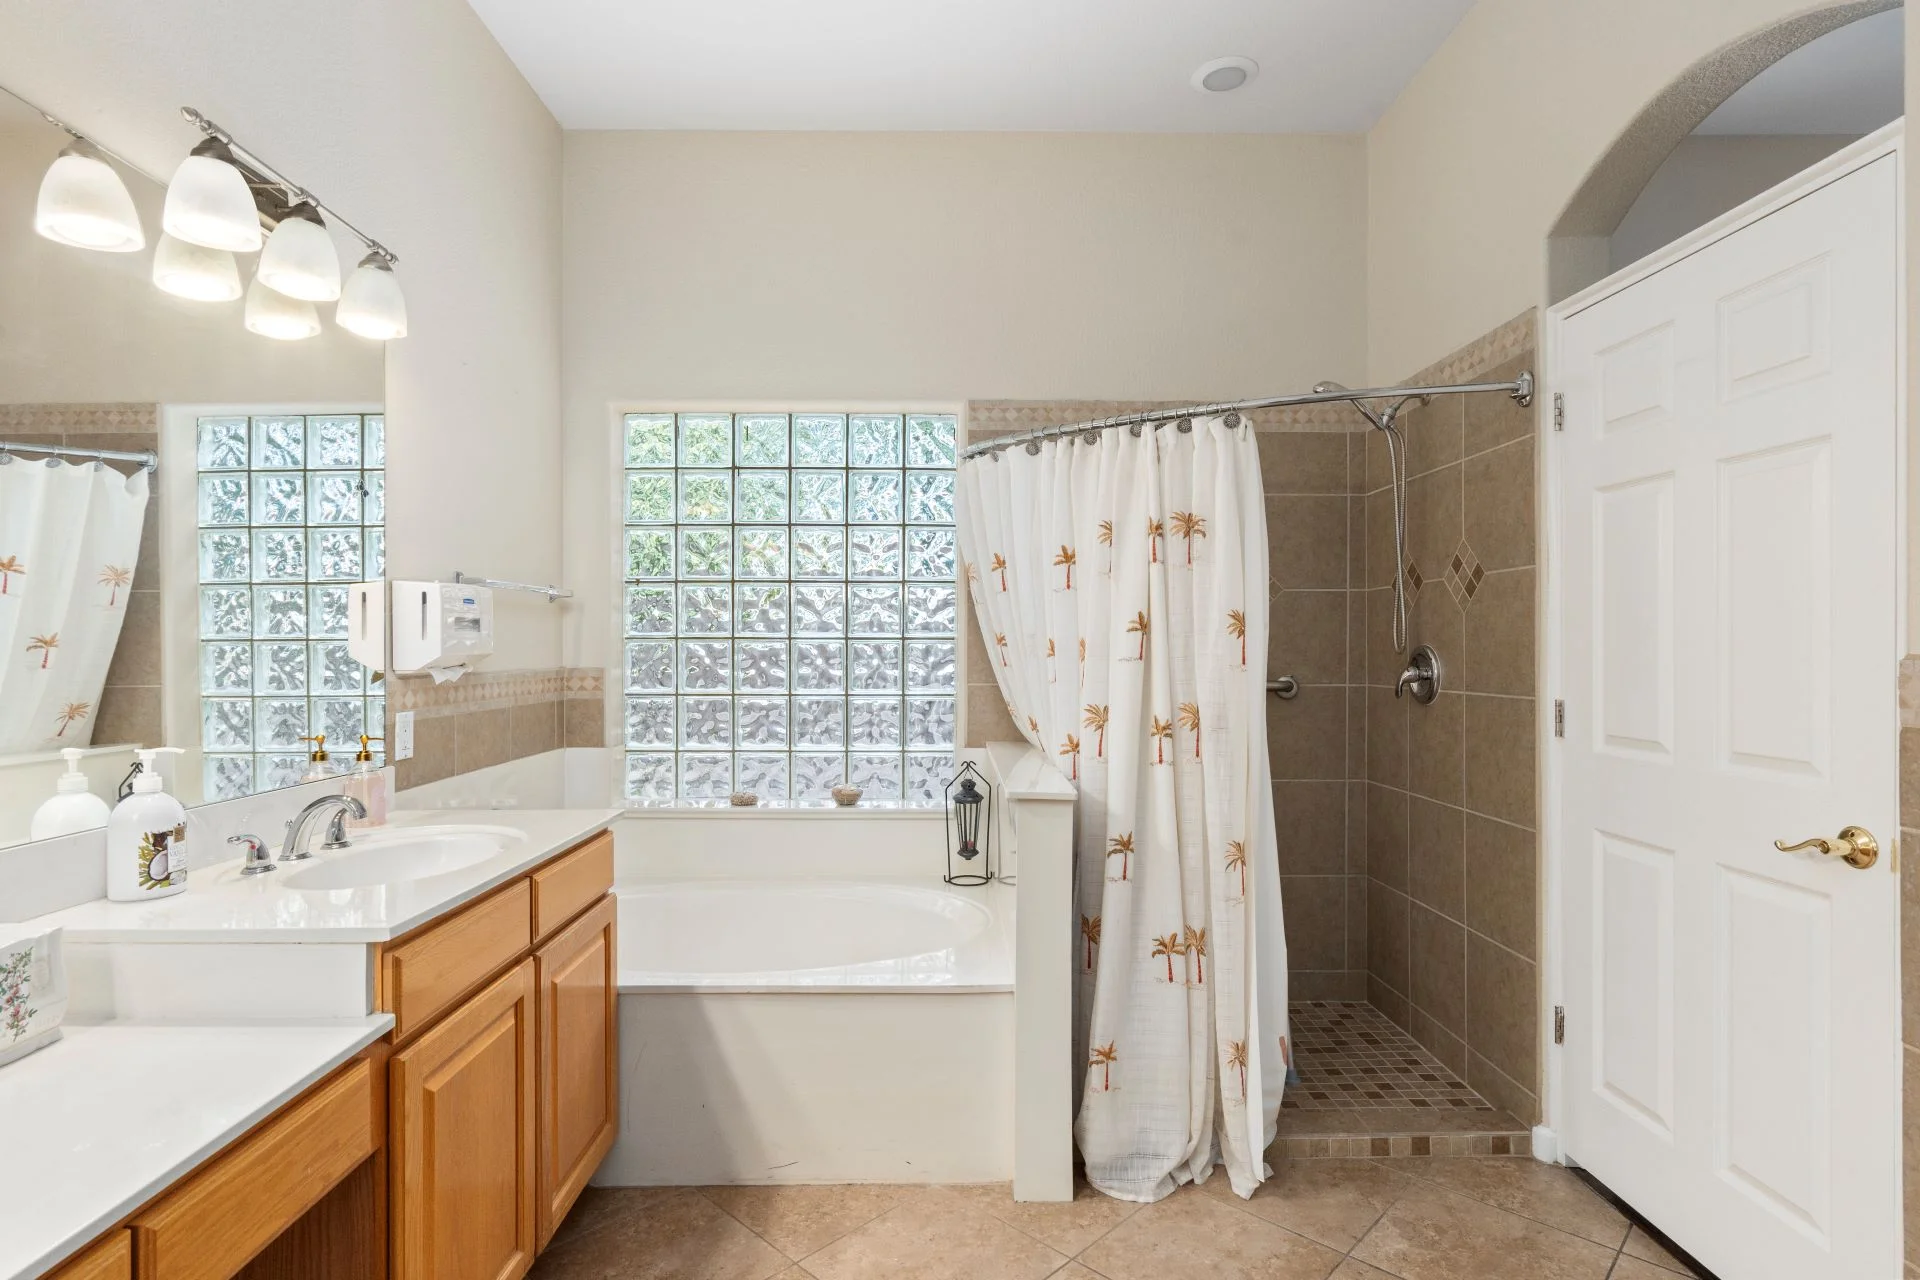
{"x":571,"y":883}
{"x":463,"y":1106}
{"x":579,"y":1060}
{"x":424,"y":974}
{"x":110,"y":1259}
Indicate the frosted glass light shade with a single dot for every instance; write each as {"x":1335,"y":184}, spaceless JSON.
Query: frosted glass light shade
{"x":195,"y":271}
{"x":84,"y":203}
{"x":371,"y":304}
{"x":209,"y":202}
{"x":299,"y":259}
{"x":272,"y":314}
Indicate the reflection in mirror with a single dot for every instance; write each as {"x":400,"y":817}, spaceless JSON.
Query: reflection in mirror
{"x":182,"y":502}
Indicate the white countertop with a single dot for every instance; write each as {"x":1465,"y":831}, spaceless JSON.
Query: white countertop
{"x":100,"y":1122}
{"x":221,"y":905}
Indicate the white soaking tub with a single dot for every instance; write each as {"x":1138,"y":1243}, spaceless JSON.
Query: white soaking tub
{"x":795,"y":1016}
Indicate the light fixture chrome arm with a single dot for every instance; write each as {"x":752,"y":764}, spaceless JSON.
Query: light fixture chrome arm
{"x":267,"y":174}
{"x":146,"y":458}
{"x":498,"y":584}
{"x":1521,"y":389}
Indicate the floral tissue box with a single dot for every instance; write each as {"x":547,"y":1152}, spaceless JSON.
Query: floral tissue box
{"x":33,"y":990}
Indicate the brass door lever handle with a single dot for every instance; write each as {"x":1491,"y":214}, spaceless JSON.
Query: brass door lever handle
{"x":1854,"y":845}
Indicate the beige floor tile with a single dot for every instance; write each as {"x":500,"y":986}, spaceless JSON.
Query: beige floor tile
{"x":598,"y":1206}
{"x":671,"y":1237}
{"x":1432,"y":1234}
{"x":1434,"y":1120}
{"x":1070,"y":1226}
{"x":802,"y":1220}
{"x":1317,"y":1122}
{"x":795,"y":1272}
{"x":1194,"y":1236}
{"x":1520,"y":1184}
{"x":1074,"y":1271}
{"x":1636,"y":1269}
{"x":1644,"y":1247}
{"x":935,"y":1233}
{"x":1332,"y":1201}
{"x":1354,"y":1269}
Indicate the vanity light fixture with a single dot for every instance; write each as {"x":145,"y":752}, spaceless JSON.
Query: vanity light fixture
{"x":299,"y":259}
{"x":272,"y":314}
{"x":1224,"y":75}
{"x":84,"y":203}
{"x":209,"y":202}
{"x":371,"y":304}
{"x":194,"y":271}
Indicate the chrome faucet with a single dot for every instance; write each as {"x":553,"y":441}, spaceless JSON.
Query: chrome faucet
{"x":293,"y":850}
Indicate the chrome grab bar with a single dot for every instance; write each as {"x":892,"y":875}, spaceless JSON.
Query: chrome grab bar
{"x":1283,"y":687}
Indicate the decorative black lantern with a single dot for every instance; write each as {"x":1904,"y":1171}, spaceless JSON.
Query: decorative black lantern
{"x":969,"y":827}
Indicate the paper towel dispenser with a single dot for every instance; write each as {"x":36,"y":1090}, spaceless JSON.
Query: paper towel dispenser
{"x":403,"y":627}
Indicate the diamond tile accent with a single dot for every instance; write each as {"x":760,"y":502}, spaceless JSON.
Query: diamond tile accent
{"x":1464,"y":574}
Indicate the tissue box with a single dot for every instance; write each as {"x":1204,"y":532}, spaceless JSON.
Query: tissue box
{"x":33,"y":990}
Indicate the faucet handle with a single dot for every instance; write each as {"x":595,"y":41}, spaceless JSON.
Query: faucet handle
{"x":257,"y":859}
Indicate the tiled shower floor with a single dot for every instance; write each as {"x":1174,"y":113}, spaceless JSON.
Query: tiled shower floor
{"x":1351,"y":1056}
{"x":1366,"y":1089}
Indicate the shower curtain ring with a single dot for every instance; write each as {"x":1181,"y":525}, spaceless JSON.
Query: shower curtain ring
{"x":1134,"y":430}
{"x":1033,"y":447}
{"x":1185,"y":426}
{"x":1232,"y":421}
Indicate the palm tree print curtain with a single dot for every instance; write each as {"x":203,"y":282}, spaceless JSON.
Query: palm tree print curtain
{"x":69,"y":538}
{"x":1121,"y":584}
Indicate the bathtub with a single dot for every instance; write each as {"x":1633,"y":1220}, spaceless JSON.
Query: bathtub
{"x":798,"y":1015}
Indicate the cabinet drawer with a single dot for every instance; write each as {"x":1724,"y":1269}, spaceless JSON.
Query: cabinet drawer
{"x":424,"y":975}
{"x":224,"y":1215}
{"x":110,"y":1259}
{"x":570,"y":884}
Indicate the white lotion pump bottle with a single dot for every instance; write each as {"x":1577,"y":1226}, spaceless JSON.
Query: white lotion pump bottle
{"x":147,"y":839}
{"x":71,"y":807}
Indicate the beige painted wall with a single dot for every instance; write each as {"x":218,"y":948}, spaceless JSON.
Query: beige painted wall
{"x":409,"y":118}
{"x":1704,"y":177}
{"x":941,"y":267}
{"x":1471,"y":166}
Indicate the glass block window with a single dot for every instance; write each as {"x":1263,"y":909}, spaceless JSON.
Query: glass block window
{"x":791,"y":588}
{"x":291,"y":510}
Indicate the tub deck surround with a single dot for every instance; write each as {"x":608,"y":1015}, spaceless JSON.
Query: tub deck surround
{"x":112,"y":1115}
{"x":222,"y":906}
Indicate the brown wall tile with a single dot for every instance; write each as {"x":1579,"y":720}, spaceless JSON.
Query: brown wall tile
{"x":482,"y":738}
{"x":1496,"y":419}
{"x":1307,"y":734}
{"x":128,"y":713}
{"x":987,"y":718}
{"x":1315,"y":909}
{"x":1387,"y":731}
{"x":1303,"y":461}
{"x":1307,"y":538}
{"x":1910,"y":1137}
{"x":1357,"y":926}
{"x":1437,"y":955}
{"x":1503,"y":995}
{"x":1502,"y":882}
{"x":136,"y":655}
{"x":1436,"y":857}
{"x":1500,"y":758}
{"x":1435,"y":619}
{"x":1434,"y":523}
{"x":1379,"y":525}
{"x":1397,"y":1008}
{"x":1499,"y":1088}
{"x":433,"y":751}
{"x":1356,"y":828}
{"x":1383,"y":664}
{"x":1498,"y":656}
{"x":1500,"y":506}
{"x":1387,"y":942}
{"x":1387,"y":836}
{"x":1441,"y":1043}
{"x":1435,"y":742}
{"x":583,"y":722}
{"x":1434,"y":433}
{"x":534,"y":728}
{"x":1910,"y":778}
{"x":1311,"y":821}
{"x":1307,"y":636}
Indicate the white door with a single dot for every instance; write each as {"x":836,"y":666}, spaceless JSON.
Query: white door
{"x":1727,"y":523}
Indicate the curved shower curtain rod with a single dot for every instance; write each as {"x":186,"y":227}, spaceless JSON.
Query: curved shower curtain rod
{"x":1521,"y":389}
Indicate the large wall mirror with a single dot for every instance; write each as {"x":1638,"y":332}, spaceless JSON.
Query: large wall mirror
{"x":193,"y":594}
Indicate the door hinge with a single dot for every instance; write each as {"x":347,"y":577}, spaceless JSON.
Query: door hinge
{"x":1559,"y":412}
{"x":1559,"y":718}
{"x":1559,"y":1024}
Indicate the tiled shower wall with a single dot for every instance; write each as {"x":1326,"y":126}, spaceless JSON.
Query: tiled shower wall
{"x":130,"y":701}
{"x":1452,"y":866}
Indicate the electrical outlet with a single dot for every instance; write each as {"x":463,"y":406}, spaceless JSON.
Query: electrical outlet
{"x":403,"y":735}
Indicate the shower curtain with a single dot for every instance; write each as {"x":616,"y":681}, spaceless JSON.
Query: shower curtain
{"x":69,"y":538}
{"x":1120,"y":582}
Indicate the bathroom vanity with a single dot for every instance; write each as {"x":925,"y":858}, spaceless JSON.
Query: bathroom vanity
{"x":443,"y":1125}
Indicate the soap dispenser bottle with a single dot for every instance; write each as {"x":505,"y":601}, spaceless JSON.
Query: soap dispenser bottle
{"x":72,"y":807}
{"x":147,"y":838}
{"x":319,"y":764}
{"x":367,"y":784}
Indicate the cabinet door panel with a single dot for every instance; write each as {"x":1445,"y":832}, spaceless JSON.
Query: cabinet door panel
{"x":110,"y":1259}
{"x":579,"y":1068}
{"x":463,"y":1140}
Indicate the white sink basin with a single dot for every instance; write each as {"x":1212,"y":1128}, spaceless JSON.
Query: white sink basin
{"x":395,"y":857}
